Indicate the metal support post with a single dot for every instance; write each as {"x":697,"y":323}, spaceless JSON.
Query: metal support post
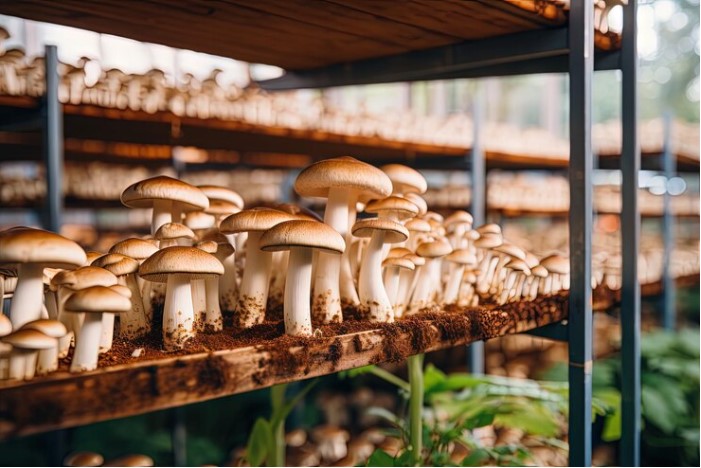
{"x":630,"y":231}
{"x":669,"y":312}
{"x":581,"y":66}
{"x":52,"y":117}
{"x":478,"y":174}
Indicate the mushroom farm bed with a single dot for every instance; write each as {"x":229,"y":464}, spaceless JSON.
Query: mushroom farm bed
{"x":234,"y":361}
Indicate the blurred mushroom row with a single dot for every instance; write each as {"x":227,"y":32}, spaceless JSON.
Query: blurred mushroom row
{"x":378,"y":253}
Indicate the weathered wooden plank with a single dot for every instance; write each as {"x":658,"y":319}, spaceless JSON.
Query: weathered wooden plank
{"x":64,"y":400}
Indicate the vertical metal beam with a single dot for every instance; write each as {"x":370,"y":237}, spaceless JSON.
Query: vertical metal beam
{"x":581,"y":66}
{"x":669,"y":312}
{"x":478,"y":174}
{"x":630,"y":230}
{"x":52,"y":118}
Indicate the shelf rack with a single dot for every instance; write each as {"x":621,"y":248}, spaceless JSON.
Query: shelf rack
{"x":328,"y":43}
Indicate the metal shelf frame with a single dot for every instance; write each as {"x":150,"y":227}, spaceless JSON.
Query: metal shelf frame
{"x":566,"y":50}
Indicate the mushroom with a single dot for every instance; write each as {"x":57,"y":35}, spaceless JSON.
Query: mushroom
{"x":25,"y":345}
{"x":373,"y":296}
{"x":457,"y":225}
{"x":392,"y":266}
{"x":84,"y":459}
{"x":167,"y":196}
{"x":30,"y":251}
{"x":518,"y":269}
{"x":93,"y":302}
{"x":407,"y":283}
{"x":47,"y":360}
{"x":392,"y":208}
{"x":559,"y":267}
{"x":506,"y":253}
{"x":200,"y":223}
{"x":484,"y":245}
{"x":331,"y":442}
{"x":300,"y":237}
{"x":538,"y":275}
{"x":417,"y":200}
{"x":131,"y":460}
{"x":176,"y":266}
{"x":170,"y":234}
{"x":342,"y":181}
{"x":213,"y":320}
{"x":139,"y":250}
{"x":425,"y":290}
{"x":418,"y":228}
{"x":460,"y":258}
{"x":405,"y":179}
{"x":5,"y":348}
{"x":253,"y":291}
{"x":132,"y":324}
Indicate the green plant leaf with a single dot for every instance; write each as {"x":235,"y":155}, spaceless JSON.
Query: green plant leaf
{"x":380,"y":458}
{"x":657,"y":409}
{"x":282,"y":414}
{"x":481,"y":419}
{"x":478,"y":457}
{"x":612,"y":423}
{"x":530,"y":418}
{"x":387,"y":415}
{"x":260,"y":442}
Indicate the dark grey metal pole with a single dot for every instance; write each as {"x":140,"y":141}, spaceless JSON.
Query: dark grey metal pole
{"x":669,"y":311}
{"x":630,"y":231}
{"x":581,"y":64}
{"x":52,"y":117}
{"x":478,"y":174}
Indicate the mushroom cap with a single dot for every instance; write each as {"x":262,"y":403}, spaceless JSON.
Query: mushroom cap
{"x":393,"y":204}
{"x":291,"y":208}
{"x":394,"y":232}
{"x":472,"y":235}
{"x":458,"y":217}
{"x":400,"y":262}
{"x":142,"y":194}
{"x":5,"y":325}
{"x":84,"y":277}
{"x":117,"y":264}
{"x":511,"y":250}
{"x":302,"y":233}
{"x":417,"y":200}
{"x":432,"y":216}
{"x":417,"y":260}
{"x":84,"y":459}
{"x":131,"y":460}
{"x":49,"y":327}
{"x":398,"y":252}
{"x":518,"y":265}
{"x":224,"y":247}
{"x":344,"y":172}
{"x":221,"y":207}
{"x":462,"y":257}
{"x":97,"y":299}
{"x":219,"y":193}
{"x":488,"y":241}
{"x":121,"y":289}
{"x":418,"y":225}
{"x":405,"y":179}
{"x":200,"y":220}
{"x":539,"y":271}
{"x":260,"y":219}
{"x":531,"y":260}
{"x":328,"y":431}
{"x":490,"y":228}
{"x":28,"y":245}
{"x":27,"y":338}
{"x":188,"y":261}
{"x":556,"y":264}
{"x":90,"y":256}
{"x":134,"y":248}
{"x":170,"y":231}
{"x":208,"y":246}
{"x":435,"y":248}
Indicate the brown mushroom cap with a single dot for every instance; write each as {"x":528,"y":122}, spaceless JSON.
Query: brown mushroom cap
{"x":219,"y":193}
{"x":49,"y":327}
{"x":28,"y":245}
{"x":260,"y":219}
{"x":519,"y":265}
{"x":142,"y":194}
{"x":433,"y":249}
{"x":27,"y":338}
{"x":418,"y":225}
{"x":539,"y":271}
{"x":556,"y":264}
{"x":208,"y":246}
{"x":117,"y":264}
{"x":131,"y":460}
{"x":432,"y":216}
{"x":401,"y":262}
{"x":302,"y":233}
{"x":189,"y":261}
{"x":398,"y":252}
{"x":304,"y":213}
{"x":511,"y":250}
{"x":462,"y":257}
{"x":133,"y":247}
{"x":458,"y":217}
{"x":490,"y":228}
{"x":531,"y":260}
{"x":121,"y":289}
{"x":200,"y":220}
{"x":224,"y":247}
{"x":344,"y":172}
{"x":328,"y":431}
{"x":417,"y":260}
{"x":394,"y":232}
{"x":402,"y":207}
{"x":488,"y":241}
{"x":90,"y":256}
{"x":84,"y":277}
{"x":417,"y":200}
{"x":170,"y":231}
{"x":84,"y":459}
{"x":5,"y":325}
{"x":405,"y":179}
{"x":97,"y":299}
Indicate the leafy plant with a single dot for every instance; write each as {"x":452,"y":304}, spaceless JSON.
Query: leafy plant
{"x":670,"y":390}
{"x":266,"y":443}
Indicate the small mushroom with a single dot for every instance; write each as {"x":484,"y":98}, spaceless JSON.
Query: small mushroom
{"x":25,"y":345}
{"x":331,"y":442}
{"x":428,"y":284}
{"x":131,"y":460}
{"x":393,"y":267}
{"x":47,"y":360}
{"x":83,"y":459}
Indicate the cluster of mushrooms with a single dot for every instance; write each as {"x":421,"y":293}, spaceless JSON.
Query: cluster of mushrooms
{"x":377,"y":250}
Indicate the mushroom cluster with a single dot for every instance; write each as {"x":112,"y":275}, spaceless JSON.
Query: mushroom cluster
{"x":377,"y":254}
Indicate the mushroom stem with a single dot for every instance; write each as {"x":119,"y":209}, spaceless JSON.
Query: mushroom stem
{"x":22,"y":364}
{"x":228,"y":282}
{"x":50,"y":304}
{"x":199,"y":303}
{"x":297,"y":287}
{"x":452,"y":289}
{"x":47,"y":360}
{"x":424,"y":286}
{"x":107,"y":333}
{"x":213,"y":319}
{"x":349,"y":294}
{"x":161,"y":214}
{"x":327,"y":275}
{"x":133,"y":324}
{"x":405,"y":278}
{"x":392,"y":284}
{"x":178,"y":313}
{"x":27,"y":302}
{"x":253,"y":293}
{"x":373,"y":296}
{"x":87,"y":344}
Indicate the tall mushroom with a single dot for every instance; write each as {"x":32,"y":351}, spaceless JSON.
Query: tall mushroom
{"x":300,"y":237}
{"x":342,"y":181}
{"x":253,"y":291}
{"x":373,"y":296}
{"x":167,"y":196}
{"x":176,"y":266}
{"x":425,"y":290}
{"x":460,"y":259}
{"x":393,"y":267}
{"x":30,"y":251}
